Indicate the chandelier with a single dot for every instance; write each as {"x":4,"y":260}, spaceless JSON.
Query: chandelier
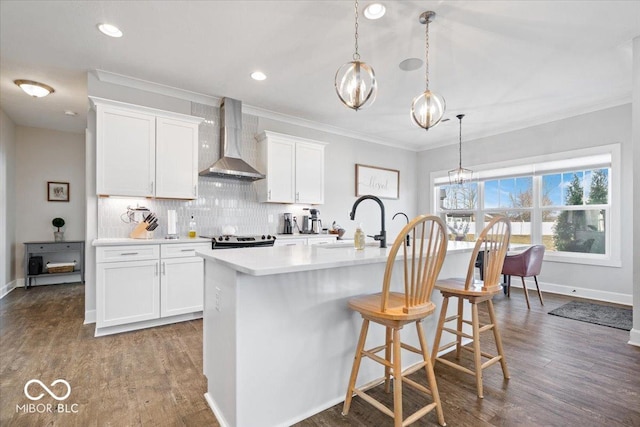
{"x":427,"y":108}
{"x":355,"y":81}
{"x":460,"y":175}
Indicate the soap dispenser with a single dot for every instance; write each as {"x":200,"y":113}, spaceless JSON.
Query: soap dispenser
{"x":358,"y":238}
{"x":192,"y":228}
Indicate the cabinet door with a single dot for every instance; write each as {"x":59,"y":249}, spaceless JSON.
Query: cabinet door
{"x":176,"y":159}
{"x":127,"y":292}
{"x":280,"y":173}
{"x":309,"y":173}
{"x":182,"y":286}
{"x":125,"y":152}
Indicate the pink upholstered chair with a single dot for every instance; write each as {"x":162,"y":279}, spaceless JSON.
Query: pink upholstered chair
{"x":524,"y":264}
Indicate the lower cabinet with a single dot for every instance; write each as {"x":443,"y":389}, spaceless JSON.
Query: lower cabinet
{"x":127,"y":292}
{"x":146,"y":282}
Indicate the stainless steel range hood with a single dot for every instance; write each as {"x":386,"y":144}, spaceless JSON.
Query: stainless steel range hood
{"x":230,"y":165}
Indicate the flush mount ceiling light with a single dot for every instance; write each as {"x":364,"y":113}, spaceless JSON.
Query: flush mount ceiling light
{"x":110,"y":30}
{"x":374,"y":11}
{"x":35,"y":89}
{"x":70,"y":113}
{"x":460,"y":175}
{"x":258,"y":75}
{"x":355,"y":81}
{"x":427,"y":108}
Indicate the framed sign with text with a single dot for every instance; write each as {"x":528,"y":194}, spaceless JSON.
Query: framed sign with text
{"x":379,"y":182}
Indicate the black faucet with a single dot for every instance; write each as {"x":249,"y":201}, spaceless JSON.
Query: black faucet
{"x":382,"y":237}
{"x":405,"y":215}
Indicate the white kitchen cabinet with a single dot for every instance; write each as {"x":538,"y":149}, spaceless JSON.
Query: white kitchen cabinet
{"x":140,"y":286}
{"x":127,"y":285}
{"x":145,"y":152}
{"x":294,"y":168}
{"x":321,"y":241}
{"x":290,"y":242}
{"x":176,"y":159}
{"x":182,"y":278}
{"x":125,"y":152}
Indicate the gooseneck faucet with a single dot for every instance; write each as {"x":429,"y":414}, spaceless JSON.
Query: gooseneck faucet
{"x":382,"y":237}
{"x":405,"y":215}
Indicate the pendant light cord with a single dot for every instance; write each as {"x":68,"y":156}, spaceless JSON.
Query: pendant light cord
{"x":356,"y":55}
{"x":426,"y":54}
{"x":460,"y":145}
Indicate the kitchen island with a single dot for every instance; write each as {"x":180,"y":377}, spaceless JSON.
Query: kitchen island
{"x":279,"y":339}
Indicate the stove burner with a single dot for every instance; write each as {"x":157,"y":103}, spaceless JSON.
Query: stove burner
{"x":229,"y":242}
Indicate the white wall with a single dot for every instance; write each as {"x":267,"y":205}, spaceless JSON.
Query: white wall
{"x":46,"y":155}
{"x":604,"y":127}
{"x":635,"y":332}
{"x":7,"y":203}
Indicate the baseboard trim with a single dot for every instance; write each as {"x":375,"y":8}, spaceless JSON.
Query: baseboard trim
{"x":593,"y":294}
{"x":109,"y":330}
{"x":8,"y":288}
{"x":634,"y":337}
{"x":89,"y":317}
{"x":216,"y":411}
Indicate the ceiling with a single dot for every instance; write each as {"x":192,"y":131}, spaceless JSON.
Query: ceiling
{"x":505,"y":64}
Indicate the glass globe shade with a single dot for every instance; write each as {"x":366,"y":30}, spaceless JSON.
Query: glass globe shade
{"x":356,"y":85}
{"x":427,"y":109}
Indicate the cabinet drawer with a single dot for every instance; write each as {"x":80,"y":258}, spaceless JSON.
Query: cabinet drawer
{"x":36,"y":248}
{"x":127,"y":253}
{"x":321,"y":241}
{"x":181,"y":250}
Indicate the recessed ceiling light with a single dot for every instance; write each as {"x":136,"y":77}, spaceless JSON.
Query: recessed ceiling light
{"x":374,"y":11}
{"x":411,"y":64}
{"x":258,"y":75}
{"x":34,"y":89}
{"x":70,"y":113}
{"x":110,"y":30}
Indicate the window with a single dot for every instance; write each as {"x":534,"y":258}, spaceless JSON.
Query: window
{"x":565,"y":204}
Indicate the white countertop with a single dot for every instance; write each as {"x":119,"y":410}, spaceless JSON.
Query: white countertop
{"x":305,"y":236}
{"x":129,"y":241}
{"x":289,"y":259}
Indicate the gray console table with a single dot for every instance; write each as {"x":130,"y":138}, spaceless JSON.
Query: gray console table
{"x":48,"y":250}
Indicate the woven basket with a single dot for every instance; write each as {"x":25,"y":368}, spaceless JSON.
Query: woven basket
{"x":63,"y":267}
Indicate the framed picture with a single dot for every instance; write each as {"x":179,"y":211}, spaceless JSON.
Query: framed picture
{"x":57,"y":191}
{"x":379,"y":182}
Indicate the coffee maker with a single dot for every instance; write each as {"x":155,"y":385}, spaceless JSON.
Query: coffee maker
{"x":316,"y":223}
{"x":288,"y":224}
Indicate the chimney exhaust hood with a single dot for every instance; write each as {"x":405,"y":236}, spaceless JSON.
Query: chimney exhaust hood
{"x":230,"y":165}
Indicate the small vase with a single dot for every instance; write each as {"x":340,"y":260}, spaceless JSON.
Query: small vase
{"x":58,"y":236}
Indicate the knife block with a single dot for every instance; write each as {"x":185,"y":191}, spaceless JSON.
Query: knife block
{"x":141,"y":232}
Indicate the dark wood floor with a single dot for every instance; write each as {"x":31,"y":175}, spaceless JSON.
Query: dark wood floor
{"x":563,"y":372}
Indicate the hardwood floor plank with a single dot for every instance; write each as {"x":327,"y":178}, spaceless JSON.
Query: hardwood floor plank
{"x":563,"y":372}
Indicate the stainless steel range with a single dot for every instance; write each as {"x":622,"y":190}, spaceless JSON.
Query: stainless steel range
{"x":230,"y":242}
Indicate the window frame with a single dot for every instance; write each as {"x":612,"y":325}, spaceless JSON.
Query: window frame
{"x":605,"y":156}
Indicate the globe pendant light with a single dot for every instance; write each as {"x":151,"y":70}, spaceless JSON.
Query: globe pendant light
{"x":427,"y":108}
{"x":355,"y":81}
{"x":460,"y":175}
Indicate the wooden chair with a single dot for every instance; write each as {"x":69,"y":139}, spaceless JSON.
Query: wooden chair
{"x":524,"y":264}
{"x":422,"y":263}
{"x":492,"y":243}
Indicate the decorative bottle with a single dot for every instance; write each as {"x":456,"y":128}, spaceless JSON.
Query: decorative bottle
{"x":192,"y":228}
{"x":358,"y":238}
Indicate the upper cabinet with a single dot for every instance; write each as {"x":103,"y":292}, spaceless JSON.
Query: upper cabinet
{"x":145,"y":152}
{"x":294,"y":168}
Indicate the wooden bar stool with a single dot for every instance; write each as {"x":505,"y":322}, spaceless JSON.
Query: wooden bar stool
{"x":492,"y":243}
{"x":422,"y":263}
